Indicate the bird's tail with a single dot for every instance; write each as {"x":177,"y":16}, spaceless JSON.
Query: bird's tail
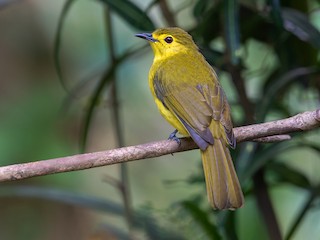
{"x":223,"y":188}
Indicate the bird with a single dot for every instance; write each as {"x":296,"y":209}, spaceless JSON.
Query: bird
{"x":189,"y":96}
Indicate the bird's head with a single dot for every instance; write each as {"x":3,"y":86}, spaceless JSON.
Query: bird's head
{"x":166,"y":42}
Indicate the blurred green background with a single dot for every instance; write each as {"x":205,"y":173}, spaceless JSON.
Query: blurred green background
{"x":74,"y":78}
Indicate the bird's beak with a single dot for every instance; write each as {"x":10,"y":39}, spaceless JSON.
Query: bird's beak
{"x":146,"y":36}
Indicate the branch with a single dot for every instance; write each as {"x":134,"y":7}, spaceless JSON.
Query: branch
{"x":167,"y":13}
{"x":257,"y":132}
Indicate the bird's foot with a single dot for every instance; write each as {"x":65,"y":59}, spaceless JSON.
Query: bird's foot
{"x":173,"y":136}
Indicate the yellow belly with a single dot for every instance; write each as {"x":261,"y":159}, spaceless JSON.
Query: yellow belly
{"x":171,"y":118}
{"x":167,"y":114}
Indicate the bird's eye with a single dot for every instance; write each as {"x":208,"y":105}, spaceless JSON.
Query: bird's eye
{"x":168,"y":39}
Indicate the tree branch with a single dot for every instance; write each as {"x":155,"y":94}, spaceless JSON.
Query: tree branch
{"x":167,"y":13}
{"x":301,"y":122}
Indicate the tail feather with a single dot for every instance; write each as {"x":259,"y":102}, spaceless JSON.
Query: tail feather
{"x":223,"y":188}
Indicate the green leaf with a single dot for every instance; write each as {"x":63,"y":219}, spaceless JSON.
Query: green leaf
{"x":65,"y":197}
{"x":201,"y":217}
{"x":151,"y":5}
{"x":141,"y":220}
{"x":276,"y":12}
{"x":270,"y":153}
{"x":298,"y":24}
{"x":104,"y":82}
{"x":213,"y":57}
{"x":278,"y":84}
{"x":308,"y":204}
{"x":245,"y":157}
{"x":57,"y":41}
{"x":285,"y":173}
{"x":129,"y":12}
{"x":200,"y":8}
{"x":231,"y":9}
{"x":208,"y":27}
{"x":313,"y":146}
{"x":262,"y":157}
{"x":227,"y":219}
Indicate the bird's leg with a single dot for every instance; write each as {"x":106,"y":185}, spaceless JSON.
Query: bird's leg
{"x":173,"y":136}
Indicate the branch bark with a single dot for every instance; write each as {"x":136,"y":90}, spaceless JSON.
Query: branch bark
{"x":266,"y":132}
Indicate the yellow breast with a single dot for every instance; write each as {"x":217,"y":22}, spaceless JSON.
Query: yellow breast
{"x":166,"y":113}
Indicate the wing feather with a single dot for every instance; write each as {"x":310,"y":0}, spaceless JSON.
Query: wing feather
{"x":196,"y":106}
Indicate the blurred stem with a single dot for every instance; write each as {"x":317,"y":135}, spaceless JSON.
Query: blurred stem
{"x":57,"y":42}
{"x":276,"y":14}
{"x":124,"y":183}
{"x":238,"y":82}
{"x":265,"y":205}
{"x":260,"y":185}
{"x":313,"y":195}
{"x":231,"y":227}
{"x":167,"y":13}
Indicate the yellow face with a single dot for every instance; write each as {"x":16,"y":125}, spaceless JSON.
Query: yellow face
{"x":166,"y":45}
{"x":166,"y":42}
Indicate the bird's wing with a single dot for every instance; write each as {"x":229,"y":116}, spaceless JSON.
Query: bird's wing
{"x":196,"y":106}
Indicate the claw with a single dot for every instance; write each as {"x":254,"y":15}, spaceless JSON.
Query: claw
{"x":173,"y":136}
